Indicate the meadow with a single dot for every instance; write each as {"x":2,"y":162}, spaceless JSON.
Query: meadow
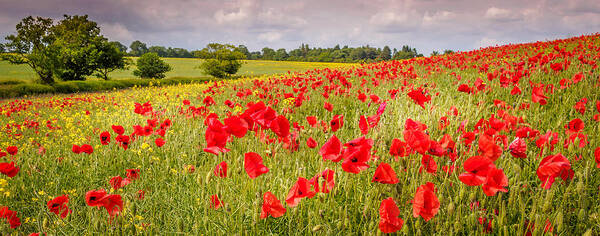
{"x":182,"y":67}
{"x":501,"y":140}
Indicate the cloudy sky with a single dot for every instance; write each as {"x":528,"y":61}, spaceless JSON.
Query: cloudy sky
{"x":427,"y":25}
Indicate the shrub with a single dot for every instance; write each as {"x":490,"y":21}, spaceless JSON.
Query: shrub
{"x":29,"y":89}
{"x":150,"y":65}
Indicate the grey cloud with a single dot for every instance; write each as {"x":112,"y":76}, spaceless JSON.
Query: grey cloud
{"x":427,"y":25}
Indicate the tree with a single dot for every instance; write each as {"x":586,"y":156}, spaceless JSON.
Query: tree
{"x":244,"y":50}
{"x":1,"y":48}
{"x":138,"y":48}
{"x":150,"y":65}
{"x":434,"y":53}
{"x":79,"y":42}
{"x":280,"y":54}
{"x":268,"y":53}
{"x":223,"y":60}
{"x":33,"y":45}
{"x":448,"y":51}
{"x":108,"y":59}
{"x":122,"y":48}
{"x":386,"y":53}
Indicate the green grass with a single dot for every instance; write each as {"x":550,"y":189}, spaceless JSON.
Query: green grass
{"x":182,"y":67}
{"x":177,"y":200}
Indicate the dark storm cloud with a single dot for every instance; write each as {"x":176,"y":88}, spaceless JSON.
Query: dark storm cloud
{"x":427,"y":25}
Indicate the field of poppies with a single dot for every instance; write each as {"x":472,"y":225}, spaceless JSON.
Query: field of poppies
{"x":502,"y":140}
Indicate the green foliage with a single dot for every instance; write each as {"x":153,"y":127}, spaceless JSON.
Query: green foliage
{"x":223,"y":60}
{"x":122,"y":48}
{"x":72,"y":49}
{"x":32,"y":45}
{"x":150,"y":65}
{"x":108,"y":59}
{"x":79,"y":42}
{"x":138,"y":48}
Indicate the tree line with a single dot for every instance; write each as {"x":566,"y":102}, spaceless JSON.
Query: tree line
{"x":303,"y":53}
{"x":74,"y":49}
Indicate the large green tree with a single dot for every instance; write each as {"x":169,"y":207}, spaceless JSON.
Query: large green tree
{"x":79,"y":42}
{"x":108,"y":59}
{"x":150,"y":65}
{"x":223,"y":60}
{"x":138,"y":48}
{"x":33,"y":45}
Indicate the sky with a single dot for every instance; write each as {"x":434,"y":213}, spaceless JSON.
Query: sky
{"x":427,"y":25}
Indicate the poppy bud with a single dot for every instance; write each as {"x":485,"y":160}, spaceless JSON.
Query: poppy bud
{"x":559,"y":221}
{"x":581,"y":215}
{"x":473,"y":196}
{"x":451,"y":208}
{"x":580,"y":188}
{"x":588,"y":232}
{"x":207,"y":178}
{"x":457,"y":226}
{"x":317,"y":228}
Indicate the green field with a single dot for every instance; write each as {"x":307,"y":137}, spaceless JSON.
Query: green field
{"x":182,"y":67}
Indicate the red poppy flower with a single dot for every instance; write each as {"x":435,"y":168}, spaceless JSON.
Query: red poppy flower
{"x":86,"y":148}
{"x":385,"y":174}
{"x":95,"y":197}
{"x":426,"y":203}
{"x":399,"y":148}
{"x":159,"y":142}
{"x":133,"y":174}
{"x":516,"y":90}
{"x":113,"y":204}
{"x":417,"y":140}
{"x":11,"y":217}
{"x":12,"y":150}
{"x":186,"y":102}
{"x":141,"y":194}
{"x":271,"y":206}
{"x":76,"y":149}
{"x":236,"y":126}
{"x":281,"y":126}
{"x":215,"y":203}
{"x":488,"y":148}
{"x":123,"y":141}
{"x":477,"y":168}
{"x":518,"y":148}
{"x":356,"y":155}
{"x":208,"y":101}
{"x":537,"y":94}
{"x":554,"y":166}
{"x":311,"y":143}
{"x":575,"y":126}
{"x":118,"y":182}
{"x":419,"y":96}
{"x":328,"y":183}
{"x":301,"y":189}
{"x":118,"y":129}
{"x":580,"y":106}
{"x":328,"y":106}
{"x":221,"y":170}
{"x":597,"y":156}
{"x":312,"y":121}
{"x":337,"y":122}
{"x":495,"y":182}
{"x":9,"y":169}
{"x":253,"y":164}
{"x":105,"y":138}
{"x":428,"y":163}
{"x":331,"y":149}
{"x":389,"y":221}
{"x":58,"y":206}
{"x":363,"y":125}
